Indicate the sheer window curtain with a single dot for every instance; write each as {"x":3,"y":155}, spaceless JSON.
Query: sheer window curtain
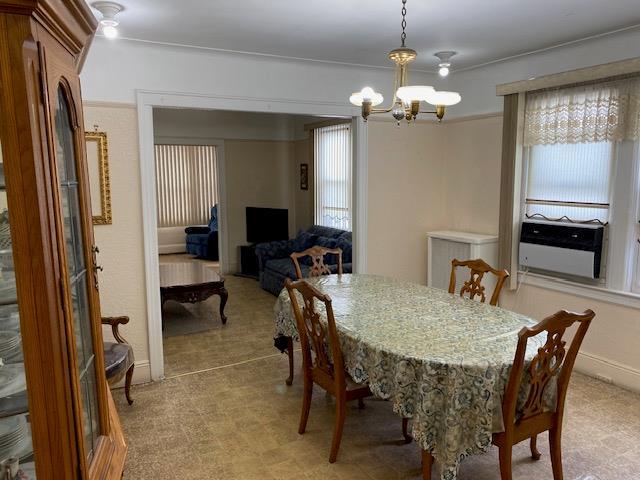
{"x":186,"y":184}
{"x":333,"y":176}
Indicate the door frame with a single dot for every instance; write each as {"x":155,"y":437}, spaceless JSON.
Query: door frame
{"x":146,"y":101}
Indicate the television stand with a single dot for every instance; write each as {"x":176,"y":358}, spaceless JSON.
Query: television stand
{"x":248,"y":262}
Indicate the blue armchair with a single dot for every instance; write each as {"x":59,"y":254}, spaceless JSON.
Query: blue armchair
{"x":203,"y":241}
{"x":275,"y":265}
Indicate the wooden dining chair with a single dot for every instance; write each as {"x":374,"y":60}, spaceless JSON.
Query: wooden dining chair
{"x":322,"y":359}
{"x":473,"y":287}
{"x":318,"y":268}
{"x":317,"y":254}
{"x":553,"y":363}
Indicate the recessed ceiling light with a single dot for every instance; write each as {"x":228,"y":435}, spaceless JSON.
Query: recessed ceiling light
{"x":108,"y":22}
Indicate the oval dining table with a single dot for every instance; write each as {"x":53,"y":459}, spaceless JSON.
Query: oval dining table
{"x":440,"y":359}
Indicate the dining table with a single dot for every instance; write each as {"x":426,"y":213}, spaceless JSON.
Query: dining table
{"x":441,"y":360}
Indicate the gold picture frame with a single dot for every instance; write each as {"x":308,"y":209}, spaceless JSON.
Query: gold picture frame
{"x":99,"y":185}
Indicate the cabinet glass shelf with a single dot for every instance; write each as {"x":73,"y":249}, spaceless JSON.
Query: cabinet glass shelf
{"x":15,"y":427}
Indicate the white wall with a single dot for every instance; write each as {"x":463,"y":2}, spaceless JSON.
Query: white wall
{"x":477,"y":86}
{"x":114,"y":70}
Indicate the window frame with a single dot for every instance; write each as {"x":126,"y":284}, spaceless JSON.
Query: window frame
{"x":621,"y":274}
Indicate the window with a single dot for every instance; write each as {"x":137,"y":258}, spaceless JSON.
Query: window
{"x":186,"y":184}
{"x":332,"y":167}
{"x":572,"y":180}
{"x":582,"y":163}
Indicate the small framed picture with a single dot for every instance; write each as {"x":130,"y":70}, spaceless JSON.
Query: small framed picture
{"x":304,"y":176}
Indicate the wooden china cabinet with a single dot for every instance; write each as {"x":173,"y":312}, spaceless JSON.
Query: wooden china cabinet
{"x":57,"y":417}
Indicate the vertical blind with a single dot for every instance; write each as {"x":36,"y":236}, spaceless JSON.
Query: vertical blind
{"x":333,"y":173}
{"x":570,"y":179}
{"x":186,"y":184}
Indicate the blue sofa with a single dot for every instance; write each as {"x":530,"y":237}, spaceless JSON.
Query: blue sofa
{"x":203,"y":241}
{"x":274,"y":263}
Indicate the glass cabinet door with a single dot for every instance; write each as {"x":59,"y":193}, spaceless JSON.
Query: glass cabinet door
{"x":78,"y":274}
{"x":16,"y":451}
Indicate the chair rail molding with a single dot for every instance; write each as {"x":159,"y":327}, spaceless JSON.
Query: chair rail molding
{"x":146,"y":101}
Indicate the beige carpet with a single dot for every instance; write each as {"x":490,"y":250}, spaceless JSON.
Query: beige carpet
{"x":235,"y":419}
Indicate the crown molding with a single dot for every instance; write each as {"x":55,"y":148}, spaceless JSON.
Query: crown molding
{"x":375,"y":67}
{"x":581,"y":75}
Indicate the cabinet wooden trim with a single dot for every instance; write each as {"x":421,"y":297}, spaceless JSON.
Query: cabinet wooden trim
{"x":42,"y":44}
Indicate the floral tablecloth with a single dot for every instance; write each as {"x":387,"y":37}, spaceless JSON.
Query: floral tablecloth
{"x":440,"y":359}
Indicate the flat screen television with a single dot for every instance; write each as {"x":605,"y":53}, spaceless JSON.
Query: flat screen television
{"x":267,"y":224}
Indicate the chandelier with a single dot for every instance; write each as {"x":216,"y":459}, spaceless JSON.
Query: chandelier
{"x":406,"y":98}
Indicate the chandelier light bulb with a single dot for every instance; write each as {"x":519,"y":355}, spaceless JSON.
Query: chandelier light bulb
{"x":367,"y":94}
{"x":444,"y":70}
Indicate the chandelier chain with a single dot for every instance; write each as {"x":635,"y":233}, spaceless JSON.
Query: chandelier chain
{"x":403,"y":37}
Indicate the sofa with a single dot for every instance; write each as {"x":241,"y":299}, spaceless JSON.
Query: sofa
{"x":202,"y":241}
{"x":275,"y":265}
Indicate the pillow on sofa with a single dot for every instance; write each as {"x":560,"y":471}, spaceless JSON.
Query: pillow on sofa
{"x":303,"y":241}
{"x":347,"y":249}
{"x":346,"y":236}
{"x":323,"y":231}
{"x":327,"y":242}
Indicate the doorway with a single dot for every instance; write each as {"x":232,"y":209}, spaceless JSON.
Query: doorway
{"x":147,"y":102}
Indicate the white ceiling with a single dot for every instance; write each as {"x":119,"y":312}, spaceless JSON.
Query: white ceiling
{"x":363,"y":31}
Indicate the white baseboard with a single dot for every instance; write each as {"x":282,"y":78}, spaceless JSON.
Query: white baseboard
{"x":607,"y":370}
{"x":141,"y":374}
{"x":175,"y":248}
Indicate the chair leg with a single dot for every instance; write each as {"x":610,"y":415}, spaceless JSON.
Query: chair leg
{"x":307,"y":393}
{"x":505,"y":462}
{"x":361,"y":403}
{"x":289,"y":381}
{"x":341,"y":412}
{"x":427,"y":464}
{"x":405,"y":430}
{"x":127,"y":384}
{"x":535,"y":453}
{"x":555,"y":448}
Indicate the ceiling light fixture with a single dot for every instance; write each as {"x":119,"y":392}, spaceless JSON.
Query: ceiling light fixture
{"x":406,"y":98}
{"x":445,"y":62}
{"x":108,"y":22}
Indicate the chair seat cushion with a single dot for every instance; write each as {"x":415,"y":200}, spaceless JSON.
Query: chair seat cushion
{"x":118,"y":357}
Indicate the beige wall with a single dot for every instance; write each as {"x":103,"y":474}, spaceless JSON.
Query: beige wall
{"x":406,"y":197}
{"x":122,"y":283}
{"x":472,"y":152}
{"x":258,"y":174}
{"x":303,"y":199}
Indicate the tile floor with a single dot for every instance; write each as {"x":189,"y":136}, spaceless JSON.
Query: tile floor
{"x":233,"y":418}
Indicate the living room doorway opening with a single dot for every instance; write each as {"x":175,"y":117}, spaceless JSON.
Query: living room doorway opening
{"x":226,"y":181}
{"x":286,"y":180}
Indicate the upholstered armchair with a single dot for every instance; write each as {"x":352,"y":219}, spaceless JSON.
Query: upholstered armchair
{"x":118,"y":356}
{"x":202,"y":241}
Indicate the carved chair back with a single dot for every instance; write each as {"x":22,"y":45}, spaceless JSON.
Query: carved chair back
{"x":317,"y":254}
{"x":473,"y":287}
{"x":321,"y":353}
{"x":553,"y":362}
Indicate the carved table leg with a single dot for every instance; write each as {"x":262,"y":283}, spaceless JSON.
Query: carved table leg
{"x":224,"y":295}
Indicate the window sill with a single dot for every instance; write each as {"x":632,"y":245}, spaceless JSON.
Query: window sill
{"x":617,"y":297}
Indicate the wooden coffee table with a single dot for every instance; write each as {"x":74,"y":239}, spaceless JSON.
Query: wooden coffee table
{"x":191,"y":282}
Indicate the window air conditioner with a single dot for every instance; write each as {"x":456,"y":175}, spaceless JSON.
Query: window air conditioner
{"x":573,"y":249}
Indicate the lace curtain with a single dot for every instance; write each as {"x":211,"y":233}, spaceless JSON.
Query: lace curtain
{"x":592,"y":113}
